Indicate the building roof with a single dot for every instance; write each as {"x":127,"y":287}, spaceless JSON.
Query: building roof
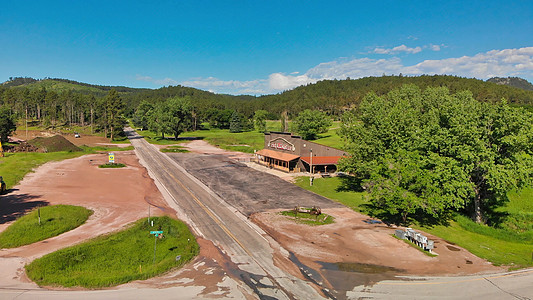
{"x":277,"y":155}
{"x":321,"y":160}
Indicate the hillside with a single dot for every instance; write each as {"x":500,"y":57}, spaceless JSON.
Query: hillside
{"x":62,"y":85}
{"x":331,"y":96}
{"x":513,"y":81}
{"x":334,"y":96}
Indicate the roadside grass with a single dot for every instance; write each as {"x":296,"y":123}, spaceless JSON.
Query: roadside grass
{"x":500,"y":246}
{"x":414,"y":246}
{"x":156,"y":139}
{"x":112,"y":166}
{"x":55,"y":220}
{"x":498,"y":252}
{"x":332,"y":188}
{"x":14,"y":166}
{"x":105,"y":148}
{"x":308,"y":219}
{"x":174,"y":149}
{"x":119,"y":257}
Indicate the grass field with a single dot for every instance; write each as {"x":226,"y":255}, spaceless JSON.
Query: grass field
{"x":54,"y":221}
{"x":500,"y":246}
{"x":118,"y":258}
{"x":243,"y":141}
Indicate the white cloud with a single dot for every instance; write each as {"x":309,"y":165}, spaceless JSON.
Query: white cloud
{"x":434,"y":47}
{"x":507,"y":62}
{"x":257,"y":86}
{"x":502,"y":63}
{"x":397,"y":49}
{"x":165,"y":81}
{"x":281,"y":82}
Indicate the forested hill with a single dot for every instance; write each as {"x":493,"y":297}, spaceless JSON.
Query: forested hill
{"x":330,"y":96}
{"x":513,"y":81}
{"x":335,"y":96}
{"x":61,"y":85}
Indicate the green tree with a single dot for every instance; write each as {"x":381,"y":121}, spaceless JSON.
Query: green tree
{"x":7,"y":123}
{"x":260,"y":117}
{"x":140,"y":118}
{"x":310,"y":123}
{"x":113,"y":111}
{"x":433,"y":152}
{"x":235,"y":124}
{"x":176,"y":116}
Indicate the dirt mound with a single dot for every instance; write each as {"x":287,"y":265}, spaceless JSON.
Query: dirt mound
{"x":21,"y":147}
{"x":53,"y":144}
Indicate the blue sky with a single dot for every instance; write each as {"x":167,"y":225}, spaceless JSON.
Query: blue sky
{"x":262,"y":47}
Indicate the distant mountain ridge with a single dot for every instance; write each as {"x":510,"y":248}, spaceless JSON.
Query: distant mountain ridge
{"x":330,"y":96}
{"x":516,"y":82}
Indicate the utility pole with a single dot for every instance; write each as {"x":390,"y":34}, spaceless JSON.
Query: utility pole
{"x":311,"y":166}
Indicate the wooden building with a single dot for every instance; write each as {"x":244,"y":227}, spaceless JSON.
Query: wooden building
{"x":291,"y":153}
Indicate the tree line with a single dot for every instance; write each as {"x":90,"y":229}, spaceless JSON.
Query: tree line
{"x":51,"y":109}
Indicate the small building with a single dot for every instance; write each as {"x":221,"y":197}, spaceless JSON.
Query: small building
{"x":291,"y":153}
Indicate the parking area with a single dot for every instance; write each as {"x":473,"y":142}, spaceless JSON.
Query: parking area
{"x":245,"y":188}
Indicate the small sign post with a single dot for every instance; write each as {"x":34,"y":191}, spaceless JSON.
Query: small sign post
{"x":156,"y":233}
{"x":111,"y":158}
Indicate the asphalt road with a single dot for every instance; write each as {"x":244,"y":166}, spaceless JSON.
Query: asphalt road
{"x":215,"y":220}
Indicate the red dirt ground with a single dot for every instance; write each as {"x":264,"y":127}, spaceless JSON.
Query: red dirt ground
{"x":350,"y":240}
{"x":89,"y":140}
{"x":117,"y":197}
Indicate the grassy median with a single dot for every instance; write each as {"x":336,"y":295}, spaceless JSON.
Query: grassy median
{"x":55,"y":220}
{"x":119,"y":257}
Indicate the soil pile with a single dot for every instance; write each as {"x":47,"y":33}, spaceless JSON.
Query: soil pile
{"x":53,"y":144}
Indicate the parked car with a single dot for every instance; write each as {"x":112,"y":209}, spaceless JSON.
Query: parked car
{"x":76,"y":135}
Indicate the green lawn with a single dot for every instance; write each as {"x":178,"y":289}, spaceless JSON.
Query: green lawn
{"x":331,"y":138}
{"x":54,"y":221}
{"x":332,"y":188}
{"x":119,"y":257}
{"x":498,"y":245}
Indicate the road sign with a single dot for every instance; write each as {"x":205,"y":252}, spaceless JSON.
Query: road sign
{"x":156,"y":232}
{"x":111,"y":158}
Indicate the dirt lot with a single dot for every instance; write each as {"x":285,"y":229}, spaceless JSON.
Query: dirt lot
{"x":117,"y":197}
{"x":89,"y":140}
